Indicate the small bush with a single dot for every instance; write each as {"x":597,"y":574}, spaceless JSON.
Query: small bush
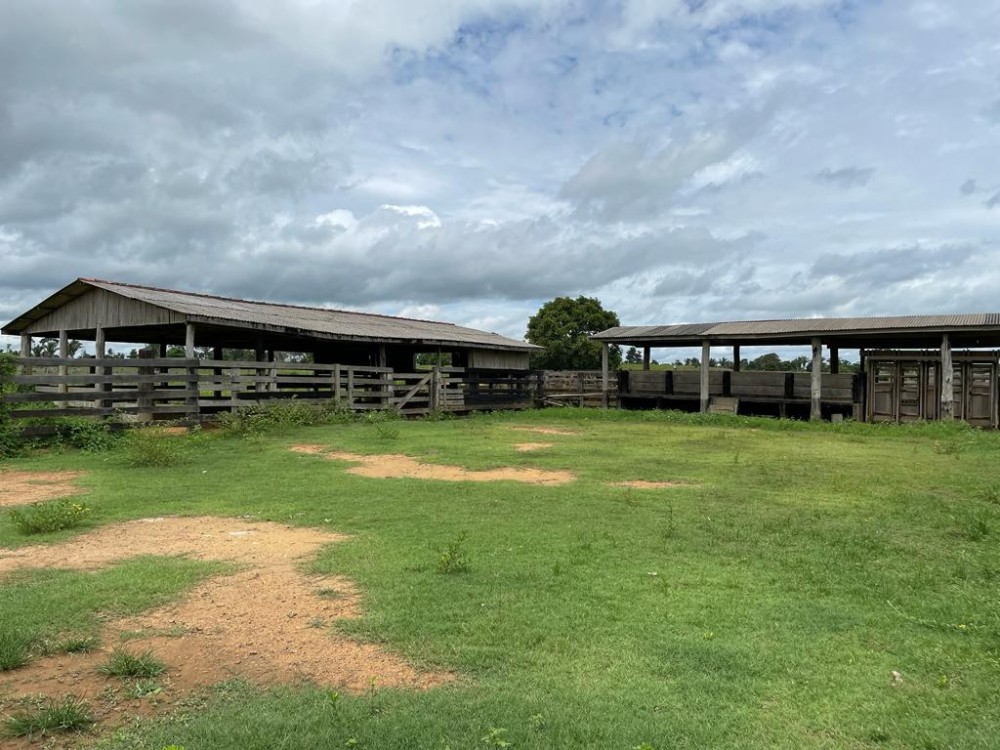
{"x":453,"y":558}
{"x":386,"y":431}
{"x":85,"y":434}
{"x":52,"y":515}
{"x":71,"y":714}
{"x":15,"y":649}
{"x":124,"y":663}
{"x":151,"y":447}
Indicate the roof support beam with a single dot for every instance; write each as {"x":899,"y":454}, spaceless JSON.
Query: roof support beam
{"x":645,"y":358}
{"x":605,"y":381}
{"x":834,"y":360}
{"x":816,"y":384}
{"x":189,"y":340}
{"x":706,"y":353}
{"x":736,"y":357}
{"x":947,"y":377}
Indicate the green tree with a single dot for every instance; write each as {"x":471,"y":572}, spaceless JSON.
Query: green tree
{"x":632,"y":356}
{"x":563,"y":326}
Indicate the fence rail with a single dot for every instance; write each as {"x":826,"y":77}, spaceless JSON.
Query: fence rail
{"x":155,"y":388}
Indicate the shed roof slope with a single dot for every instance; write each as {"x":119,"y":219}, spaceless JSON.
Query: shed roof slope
{"x":804,"y":328}
{"x":282,"y":316}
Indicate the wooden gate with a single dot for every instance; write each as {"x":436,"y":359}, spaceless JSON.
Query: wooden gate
{"x":903,"y":387}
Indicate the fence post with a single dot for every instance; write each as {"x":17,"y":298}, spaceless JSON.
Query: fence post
{"x":336,"y":385}
{"x":144,"y":398}
{"x":435,"y":385}
{"x":193,"y":391}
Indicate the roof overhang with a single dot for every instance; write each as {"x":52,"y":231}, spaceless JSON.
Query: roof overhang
{"x":922,"y":332}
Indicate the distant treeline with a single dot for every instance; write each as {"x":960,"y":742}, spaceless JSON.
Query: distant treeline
{"x":770,"y":361}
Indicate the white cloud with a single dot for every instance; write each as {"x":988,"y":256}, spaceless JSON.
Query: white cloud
{"x":679,"y":160}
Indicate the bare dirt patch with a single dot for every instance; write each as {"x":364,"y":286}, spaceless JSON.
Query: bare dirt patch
{"x":394,"y":466}
{"x":642,"y":484}
{"x":545,"y":430}
{"x":268,"y":623}
{"x":529,"y":447}
{"x":23,"y":487}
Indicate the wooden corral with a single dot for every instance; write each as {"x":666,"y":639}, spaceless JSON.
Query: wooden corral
{"x":909,"y":368}
{"x":148,"y":389}
{"x":355,"y":361}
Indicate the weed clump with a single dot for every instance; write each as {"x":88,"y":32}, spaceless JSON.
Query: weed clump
{"x":45,"y":715}
{"x":15,"y":649}
{"x":124,"y":663}
{"x":453,"y":558}
{"x":153,"y":448}
{"x":52,"y":515}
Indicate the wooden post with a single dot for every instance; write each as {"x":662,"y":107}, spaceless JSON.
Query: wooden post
{"x":834,"y":360}
{"x":63,"y":354}
{"x":217,"y":372}
{"x":100,"y":351}
{"x":947,"y":380}
{"x":144,"y":399}
{"x":435,"y":385}
{"x":816,"y":385}
{"x":605,"y":385}
{"x":645,"y":358}
{"x":26,"y":352}
{"x":189,"y":340}
{"x":706,"y":354}
{"x":350,"y":388}
{"x":336,"y":385}
{"x":736,"y":357}
{"x":381,"y":355}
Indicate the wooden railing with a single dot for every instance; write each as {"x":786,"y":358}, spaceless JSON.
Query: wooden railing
{"x":189,"y":389}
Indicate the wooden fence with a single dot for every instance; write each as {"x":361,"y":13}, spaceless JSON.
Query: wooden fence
{"x":191,"y":389}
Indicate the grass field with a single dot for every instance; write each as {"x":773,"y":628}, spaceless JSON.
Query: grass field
{"x":805,"y":586}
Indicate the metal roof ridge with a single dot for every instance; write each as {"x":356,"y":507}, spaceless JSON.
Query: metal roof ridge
{"x":205,"y":295}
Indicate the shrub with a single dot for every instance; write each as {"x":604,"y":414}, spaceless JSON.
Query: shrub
{"x":52,"y":515}
{"x":124,"y":663}
{"x":152,"y":447}
{"x":71,"y":714}
{"x":453,"y":558}
{"x":86,"y":434}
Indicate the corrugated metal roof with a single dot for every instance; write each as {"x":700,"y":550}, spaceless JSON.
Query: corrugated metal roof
{"x":299,"y":319}
{"x":804,"y":328}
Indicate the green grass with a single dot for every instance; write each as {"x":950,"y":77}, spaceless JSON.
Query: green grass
{"x":60,"y":610}
{"x":44,"y":717}
{"x":125,"y":663}
{"x":811,"y":586}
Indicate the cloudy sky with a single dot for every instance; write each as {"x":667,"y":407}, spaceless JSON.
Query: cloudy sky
{"x":682,"y":160}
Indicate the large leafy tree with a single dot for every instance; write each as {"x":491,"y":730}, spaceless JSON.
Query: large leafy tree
{"x":563,"y":326}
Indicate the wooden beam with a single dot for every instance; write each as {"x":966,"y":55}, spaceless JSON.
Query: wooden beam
{"x":189,"y":340}
{"x":645,"y":358}
{"x":25,"y":344}
{"x":947,"y":380}
{"x":63,"y":354}
{"x":736,"y":357}
{"x":100,"y":343}
{"x":834,"y":360}
{"x":605,"y":381}
{"x":816,"y":384}
{"x":706,"y":354}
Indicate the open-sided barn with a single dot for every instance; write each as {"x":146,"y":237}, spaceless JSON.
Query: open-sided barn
{"x":913,"y":367}
{"x":359,"y":360}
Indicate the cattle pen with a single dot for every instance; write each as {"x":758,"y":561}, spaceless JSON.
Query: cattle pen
{"x":918,"y":367}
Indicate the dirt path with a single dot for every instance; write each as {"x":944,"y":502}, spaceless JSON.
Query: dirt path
{"x":396,"y":466}
{"x":268,"y":623}
{"x":23,"y":487}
